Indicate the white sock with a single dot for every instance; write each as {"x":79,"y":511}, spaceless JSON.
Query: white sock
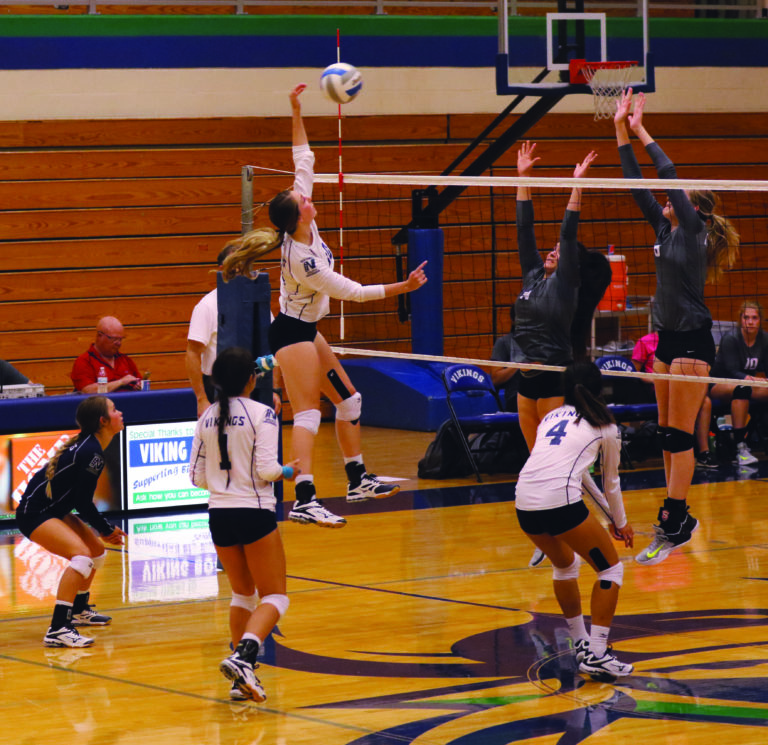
{"x":354,"y":459}
{"x":249,"y":635}
{"x":577,"y":628}
{"x":304,"y":477}
{"x":598,"y":639}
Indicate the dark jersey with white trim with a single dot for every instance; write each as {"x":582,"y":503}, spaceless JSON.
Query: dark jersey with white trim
{"x":545,"y":307}
{"x":72,"y":486}
{"x":736,"y":360}
{"x":680,"y":253}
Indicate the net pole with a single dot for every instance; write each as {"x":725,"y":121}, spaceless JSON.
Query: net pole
{"x":341,"y":198}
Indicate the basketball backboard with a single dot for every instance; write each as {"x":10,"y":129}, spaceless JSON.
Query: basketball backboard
{"x":535,"y":50}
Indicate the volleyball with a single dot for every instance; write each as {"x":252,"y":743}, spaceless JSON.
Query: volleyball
{"x":341,"y":82}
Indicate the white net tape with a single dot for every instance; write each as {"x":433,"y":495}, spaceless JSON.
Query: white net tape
{"x":607,"y":84}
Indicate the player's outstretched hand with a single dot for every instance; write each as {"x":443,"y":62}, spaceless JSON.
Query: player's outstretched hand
{"x":623,"y":106}
{"x":525,"y":159}
{"x":416,"y":278}
{"x":636,"y":117}
{"x":582,"y":168}
{"x":294,"y":96}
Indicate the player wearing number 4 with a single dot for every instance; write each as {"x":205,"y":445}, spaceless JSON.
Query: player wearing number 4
{"x":694,"y":245}
{"x":308,"y":364}
{"x":234,"y":456}
{"x":551,"y":512}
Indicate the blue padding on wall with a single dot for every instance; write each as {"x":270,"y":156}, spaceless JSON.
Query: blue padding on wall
{"x":405,"y":394}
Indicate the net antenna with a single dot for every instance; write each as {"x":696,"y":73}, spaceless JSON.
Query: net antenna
{"x":607,"y":79}
{"x":341,"y":200}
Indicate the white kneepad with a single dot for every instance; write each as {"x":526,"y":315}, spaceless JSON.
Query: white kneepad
{"x":98,"y":561}
{"x":281,"y":602}
{"x":612,"y":574}
{"x":82,"y":565}
{"x":309,"y":419}
{"x":569,"y":572}
{"x":249,"y":602}
{"x":349,"y":409}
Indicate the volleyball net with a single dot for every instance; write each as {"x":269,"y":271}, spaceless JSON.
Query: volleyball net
{"x":477,"y":270}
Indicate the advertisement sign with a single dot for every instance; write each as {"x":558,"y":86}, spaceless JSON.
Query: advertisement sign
{"x":170,"y":558}
{"x":22,"y":455}
{"x":157,"y":466}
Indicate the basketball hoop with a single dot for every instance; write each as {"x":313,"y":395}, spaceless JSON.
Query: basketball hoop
{"x":608,"y":80}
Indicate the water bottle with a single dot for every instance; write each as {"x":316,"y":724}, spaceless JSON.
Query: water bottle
{"x":101,"y":380}
{"x":145,"y":382}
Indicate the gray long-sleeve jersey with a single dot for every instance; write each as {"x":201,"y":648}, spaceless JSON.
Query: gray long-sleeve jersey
{"x":680,"y":254}
{"x":544,"y":308}
{"x":736,"y":360}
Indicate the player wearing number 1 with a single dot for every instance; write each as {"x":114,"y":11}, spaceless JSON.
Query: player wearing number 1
{"x":551,"y":512}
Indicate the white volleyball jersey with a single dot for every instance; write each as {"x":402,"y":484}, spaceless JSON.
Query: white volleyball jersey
{"x":204,"y":327}
{"x":252,"y":442}
{"x":307,"y":278}
{"x":563,"y":452}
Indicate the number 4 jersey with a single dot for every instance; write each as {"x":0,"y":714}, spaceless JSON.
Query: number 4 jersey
{"x":565,"y":448}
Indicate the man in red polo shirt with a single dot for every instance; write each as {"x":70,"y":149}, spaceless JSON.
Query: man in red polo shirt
{"x":122,"y":373}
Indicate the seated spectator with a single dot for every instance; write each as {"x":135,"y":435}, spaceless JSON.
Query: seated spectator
{"x":644,"y":352}
{"x":507,"y":379}
{"x":122,"y":373}
{"x":742,"y":354}
{"x":9,"y":375}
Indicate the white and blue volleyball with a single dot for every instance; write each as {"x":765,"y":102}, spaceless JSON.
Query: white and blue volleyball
{"x":341,"y":82}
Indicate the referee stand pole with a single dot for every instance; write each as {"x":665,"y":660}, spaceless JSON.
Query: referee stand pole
{"x":426,"y":244}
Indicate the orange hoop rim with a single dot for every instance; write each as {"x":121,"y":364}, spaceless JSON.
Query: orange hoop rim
{"x":578,"y":67}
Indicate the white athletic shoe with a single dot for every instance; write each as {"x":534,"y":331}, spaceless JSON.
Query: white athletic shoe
{"x":537,"y":558}
{"x":604,"y":668}
{"x":66,"y":637}
{"x":370,"y":488}
{"x":744,"y":456}
{"x":241,"y":674}
{"x":235,"y":694}
{"x":582,"y":650}
{"x":90,"y":617}
{"x":314,"y":513}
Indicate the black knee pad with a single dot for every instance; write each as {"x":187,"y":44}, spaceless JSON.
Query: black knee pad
{"x":600,"y":561}
{"x":678,"y":441}
{"x":338,"y":384}
{"x":742,"y":393}
{"x":661,"y":435}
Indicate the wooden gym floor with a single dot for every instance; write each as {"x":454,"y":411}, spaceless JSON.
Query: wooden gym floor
{"x":419,"y":622}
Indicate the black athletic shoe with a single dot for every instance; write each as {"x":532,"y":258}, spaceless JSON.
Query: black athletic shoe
{"x":706,"y":461}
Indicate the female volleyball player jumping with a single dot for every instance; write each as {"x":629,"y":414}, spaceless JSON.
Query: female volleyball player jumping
{"x":547,"y":305}
{"x":234,"y":456}
{"x":693,"y":245}
{"x":44,"y":515}
{"x":308,"y":364}
{"x":551,"y":512}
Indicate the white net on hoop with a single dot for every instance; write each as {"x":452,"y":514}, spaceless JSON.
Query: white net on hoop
{"x":607,"y":84}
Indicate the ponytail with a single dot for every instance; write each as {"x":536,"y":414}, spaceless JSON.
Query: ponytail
{"x":248,"y":248}
{"x":583,"y":385}
{"x":88,"y":416}
{"x":722,"y":238}
{"x":231,"y":372}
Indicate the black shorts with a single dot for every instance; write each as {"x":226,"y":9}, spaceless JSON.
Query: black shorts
{"x":553,"y":522}
{"x":696,"y":345}
{"x":27,"y":523}
{"x":536,"y":384}
{"x":284,"y":331}
{"x":239,"y":526}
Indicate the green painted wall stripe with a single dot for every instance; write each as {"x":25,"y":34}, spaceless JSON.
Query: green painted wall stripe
{"x":306,"y":25}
